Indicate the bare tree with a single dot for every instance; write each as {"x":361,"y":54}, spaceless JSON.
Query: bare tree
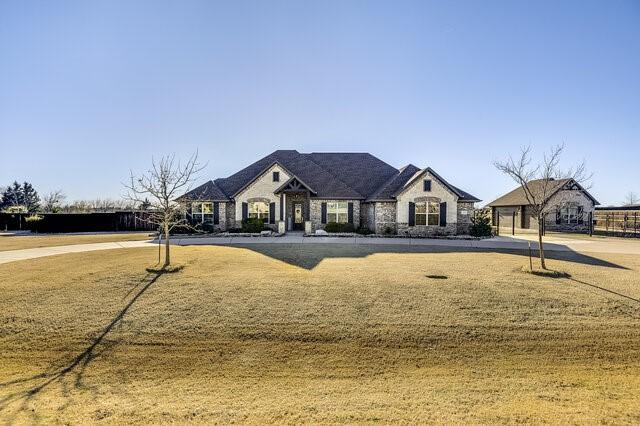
{"x":52,"y":202}
{"x":631,"y":199}
{"x":543,"y":196}
{"x":167,"y":179}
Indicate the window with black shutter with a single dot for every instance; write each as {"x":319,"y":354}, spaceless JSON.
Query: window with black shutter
{"x":276,"y":176}
{"x":427,"y":185}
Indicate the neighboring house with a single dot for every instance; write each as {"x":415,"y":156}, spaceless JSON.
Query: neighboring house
{"x":570,"y":207}
{"x":289,"y":190}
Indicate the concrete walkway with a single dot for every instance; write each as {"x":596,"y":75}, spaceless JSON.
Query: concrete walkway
{"x":580,"y":245}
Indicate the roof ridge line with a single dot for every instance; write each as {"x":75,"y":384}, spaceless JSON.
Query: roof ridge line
{"x":334,"y":176}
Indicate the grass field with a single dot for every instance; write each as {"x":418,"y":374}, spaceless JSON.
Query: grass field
{"x":51,"y":240}
{"x":319,"y":333}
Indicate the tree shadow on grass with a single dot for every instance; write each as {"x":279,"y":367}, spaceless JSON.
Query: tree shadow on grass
{"x":597,"y":287}
{"x":80,"y":363}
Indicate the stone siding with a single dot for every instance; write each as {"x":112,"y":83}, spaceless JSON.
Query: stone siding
{"x":315,"y":207}
{"x":426,"y":230}
{"x":262,"y":188}
{"x":230,"y":215}
{"x":367,"y":216}
{"x":385,"y":218}
{"x":290,"y":200}
{"x":574,"y":197}
{"x":415,"y":193}
{"x":531,"y":223}
{"x":465,"y":213}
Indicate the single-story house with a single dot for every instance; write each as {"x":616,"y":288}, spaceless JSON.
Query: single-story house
{"x":289,"y":190}
{"x":570,"y":207}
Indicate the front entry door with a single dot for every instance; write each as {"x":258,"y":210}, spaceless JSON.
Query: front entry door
{"x":298,"y":216}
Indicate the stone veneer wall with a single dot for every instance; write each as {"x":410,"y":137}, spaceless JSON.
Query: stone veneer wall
{"x":230,"y":215}
{"x":427,"y":230}
{"x":367,"y":216}
{"x":290,"y":200}
{"x":262,"y":188}
{"x":315,"y":210}
{"x":385,"y":217}
{"x":464,"y":220}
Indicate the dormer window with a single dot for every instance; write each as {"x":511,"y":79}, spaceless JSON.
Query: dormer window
{"x":276,"y":176}
{"x":427,"y":185}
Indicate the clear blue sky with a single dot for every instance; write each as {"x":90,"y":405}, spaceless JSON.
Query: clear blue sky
{"x":89,"y":90}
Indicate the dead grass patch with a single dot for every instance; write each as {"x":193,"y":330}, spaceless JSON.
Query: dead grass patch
{"x":240,"y":335}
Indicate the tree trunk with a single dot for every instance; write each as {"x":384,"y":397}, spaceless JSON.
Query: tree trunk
{"x":167,"y":255}
{"x":540,"y":247}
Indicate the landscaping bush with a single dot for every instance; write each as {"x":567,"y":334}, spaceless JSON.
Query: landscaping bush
{"x":234,"y":230}
{"x":253,"y":225}
{"x":480,"y":225}
{"x":388,"y":230}
{"x":339,"y":227}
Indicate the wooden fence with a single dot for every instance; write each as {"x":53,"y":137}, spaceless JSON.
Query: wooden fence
{"x":617,"y":222}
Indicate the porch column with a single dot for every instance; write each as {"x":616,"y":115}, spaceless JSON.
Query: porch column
{"x":284,"y":210}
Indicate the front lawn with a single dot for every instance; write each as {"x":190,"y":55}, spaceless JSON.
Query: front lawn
{"x":319,"y":333}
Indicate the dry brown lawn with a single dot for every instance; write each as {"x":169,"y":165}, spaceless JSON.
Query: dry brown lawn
{"x":318,"y":333}
{"x":51,"y":240}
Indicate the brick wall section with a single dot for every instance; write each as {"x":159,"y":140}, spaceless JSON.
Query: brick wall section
{"x":316,"y":212}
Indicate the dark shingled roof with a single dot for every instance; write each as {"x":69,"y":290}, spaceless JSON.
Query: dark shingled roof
{"x":517,"y":197}
{"x":360,"y":171}
{"x":324,"y":183}
{"x":208,"y":191}
{"x":330,"y":175}
{"x":394,"y":184}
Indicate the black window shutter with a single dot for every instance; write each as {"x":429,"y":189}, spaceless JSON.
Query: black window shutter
{"x":443,"y":214}
{"x":580,"y":215}
{"x":427,"y":185}
{"x":245,"y":211}
{"x":350,"y":213}
{"x":216,"y":213}
{"x":323,"y":212}
{"x":412,"y":214}
{"x":272,"y":212}
{"x":558,"y":216}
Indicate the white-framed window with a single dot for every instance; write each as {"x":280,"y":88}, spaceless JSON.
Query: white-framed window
{"x":338,"y":212}
{"x":427,"y":213}
{"x":569,"y":214}
{"x":202,"y":212}
{"x":259,"y":210}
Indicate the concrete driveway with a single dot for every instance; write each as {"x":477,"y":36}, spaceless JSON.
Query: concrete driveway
{"x":521,"y":242}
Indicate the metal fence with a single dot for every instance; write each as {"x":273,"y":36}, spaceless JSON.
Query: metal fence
{"x":617,"y":222}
